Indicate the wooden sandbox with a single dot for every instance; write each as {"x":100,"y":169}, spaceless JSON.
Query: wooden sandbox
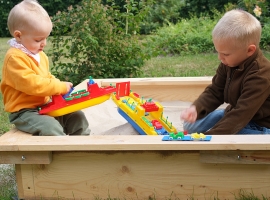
{"x":137,"y":166}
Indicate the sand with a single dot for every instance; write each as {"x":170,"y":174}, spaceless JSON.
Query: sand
{"x":104,"y":118}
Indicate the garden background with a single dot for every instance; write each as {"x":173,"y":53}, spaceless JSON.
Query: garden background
{"x":129,"y":38}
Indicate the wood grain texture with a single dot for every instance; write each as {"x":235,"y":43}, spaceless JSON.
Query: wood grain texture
{"x":8,"y":142}
{"x":235,"y":157}
{"x":161,"y":89}
{"x":19,"y":180}
{"x":25,"y":157}
{"x":25,"y":181}
{"x":140,"y":175}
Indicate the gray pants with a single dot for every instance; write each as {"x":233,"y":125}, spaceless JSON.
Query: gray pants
{"x":30,"y":121}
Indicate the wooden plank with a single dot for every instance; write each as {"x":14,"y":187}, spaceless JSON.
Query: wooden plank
{"x":168,"y":93}
{"x":128,"y":142}
{"x":25,"y":157}
{"x":144,"y":175}
{"x":235,"y":157}
{"x":161,"y":89}
{"x":203,"y":80}
{"x":12,"y":137}
{"x":19,"y":181}
{"x":26,"y":184}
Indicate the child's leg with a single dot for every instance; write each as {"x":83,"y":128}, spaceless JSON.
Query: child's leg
{"x":74,"y":123}
{"x":204,"y":124}
{"x":30,"y":121}
{"x":253,"y":128}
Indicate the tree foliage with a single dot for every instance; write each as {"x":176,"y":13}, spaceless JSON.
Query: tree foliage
{"x":159,"y":12}
{"x":95,"y":46}
{"x":52,"y":7}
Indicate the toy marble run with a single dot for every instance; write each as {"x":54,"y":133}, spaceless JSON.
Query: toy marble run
{"x":71,"y":102}
{"x":146,"y":116}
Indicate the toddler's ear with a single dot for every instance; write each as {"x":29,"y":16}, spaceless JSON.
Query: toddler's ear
{"x":251,"y":49}
{"x":17,"y":35}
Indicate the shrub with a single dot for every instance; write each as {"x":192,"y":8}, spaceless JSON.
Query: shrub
{"x":198,"y":7}
{"x":265,"y":39}
{"x":161,"y":13}
{"x":192,"y":36}
{"x":52,"y":6}
{"x":95,"y":46}
{"x":187,"y":36}
{"x":132,"y":13}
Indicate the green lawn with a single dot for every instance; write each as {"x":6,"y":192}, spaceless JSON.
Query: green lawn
{"x":4,"y":123}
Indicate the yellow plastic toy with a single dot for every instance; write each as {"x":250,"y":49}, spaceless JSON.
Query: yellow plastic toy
{"x":71,"y":102}
{"x":146,"y":116}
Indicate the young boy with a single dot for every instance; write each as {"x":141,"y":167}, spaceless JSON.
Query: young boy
{"x":26,"y":81}
{"x":242,"y":80}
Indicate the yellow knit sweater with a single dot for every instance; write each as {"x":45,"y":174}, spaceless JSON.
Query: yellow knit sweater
{"x":26,"y":83}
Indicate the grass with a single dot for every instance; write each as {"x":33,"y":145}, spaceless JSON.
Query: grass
{"x":244,"y":195}
{"x":4,"y":122}
{"x":7,"y":182}
{"x":3,"y":48}
{"x":189,"y":65}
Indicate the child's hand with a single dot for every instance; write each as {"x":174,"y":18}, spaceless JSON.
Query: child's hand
{"x":189,"y":114}
{"x":69,"y":86}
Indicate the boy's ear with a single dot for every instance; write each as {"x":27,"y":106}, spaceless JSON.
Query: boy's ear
{"x":17,"y":35}
{"x":251,"y":49}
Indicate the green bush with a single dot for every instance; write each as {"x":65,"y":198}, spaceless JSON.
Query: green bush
{"x":188,"y":36}
{"x":161,"y":12}
{"x":52,"y":6}
{"x":199,"y":7}
{"x":265,"y":39}
{"x":192,"y":36}
{"x":130,"y":13}
{"x":95,"y":46}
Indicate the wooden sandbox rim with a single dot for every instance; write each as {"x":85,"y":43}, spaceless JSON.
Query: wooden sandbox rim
{"x":163,"y":89}
{"x":15,"y":140}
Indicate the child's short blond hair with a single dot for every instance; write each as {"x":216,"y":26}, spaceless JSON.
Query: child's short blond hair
{"x":240,"y":26}
{"x":26,"y":14}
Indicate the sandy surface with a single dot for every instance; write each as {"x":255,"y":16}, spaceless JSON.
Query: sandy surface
{"x":104,"y":118}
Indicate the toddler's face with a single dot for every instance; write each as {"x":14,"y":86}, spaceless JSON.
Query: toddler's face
{"x":229,"y":53}
{"x":36,"y":39}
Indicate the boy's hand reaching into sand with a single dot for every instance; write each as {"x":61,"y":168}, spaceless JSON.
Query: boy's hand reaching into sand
{"x":189,"y":114}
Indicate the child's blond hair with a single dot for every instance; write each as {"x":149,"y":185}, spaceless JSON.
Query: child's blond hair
{"x":27,"y":14}
{"x":240,"y":26}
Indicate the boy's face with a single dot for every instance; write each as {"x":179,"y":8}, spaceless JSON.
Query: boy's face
{"x":230,"y":54}
{"x":34,"y":39}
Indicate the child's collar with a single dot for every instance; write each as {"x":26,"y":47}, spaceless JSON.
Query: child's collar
{"x":13,"y":43}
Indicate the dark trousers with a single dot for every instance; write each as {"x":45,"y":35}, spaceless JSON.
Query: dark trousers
{"x":30,"y":121}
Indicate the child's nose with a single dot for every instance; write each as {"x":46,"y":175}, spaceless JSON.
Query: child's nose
{"x":43,"y":43}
